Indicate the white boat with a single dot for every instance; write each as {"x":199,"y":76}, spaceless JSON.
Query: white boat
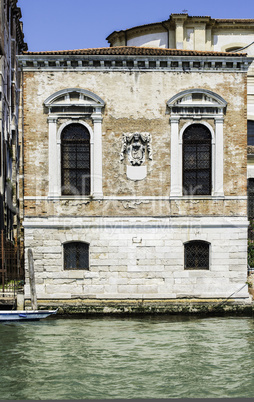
{"x":25,"y":315}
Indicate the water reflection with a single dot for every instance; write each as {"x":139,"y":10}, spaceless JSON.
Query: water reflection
{"x":169,"y":357}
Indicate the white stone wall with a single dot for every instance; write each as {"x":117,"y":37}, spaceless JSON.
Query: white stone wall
{"x":159,"y":39}
{"x":223,"y":40}
{"x":138,"y":257}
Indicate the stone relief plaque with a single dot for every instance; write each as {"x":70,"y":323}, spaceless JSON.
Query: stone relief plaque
{"x":136,"y":145}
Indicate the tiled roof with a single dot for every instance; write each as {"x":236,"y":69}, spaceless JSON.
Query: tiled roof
{"x":135,"y":51}
{"x":233,"y":20}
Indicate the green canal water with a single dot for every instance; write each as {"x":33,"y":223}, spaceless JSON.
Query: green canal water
{"x":110,"y":358}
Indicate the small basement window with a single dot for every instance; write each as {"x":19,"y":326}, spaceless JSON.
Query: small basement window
{"x":196,"y":255}
{"x":76,"y":255}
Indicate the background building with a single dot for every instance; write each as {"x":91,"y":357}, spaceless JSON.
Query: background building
{"x":11,"y":44}
{"x":182,"y":31}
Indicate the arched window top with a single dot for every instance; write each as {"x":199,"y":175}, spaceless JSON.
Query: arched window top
{"x":193,"y":242}
{"x":196,"y":133}
{"x":75,"y":242}
{"x":235,"y":47}
{"x":75,"y":132}
{"x":192,"y":96}
{"x":74,"y":96}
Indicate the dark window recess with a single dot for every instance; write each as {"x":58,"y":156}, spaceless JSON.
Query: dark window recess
{"x":233,"y":49}
{"x":163,"y":64}
{"x":76,"y":255}
{"x":196,"y":255}
{"x":186,"y":65}
{"x":75,"y":160}
{"x":152,"y":64}
{"x":229,"y":65}
{"x":196,"y":64}
{"x":96,"y":63}
{"x":250,"y":131}
{"x":250,"y":190}
{"x":130,"y":63}
{"x":197,"y":96}
{"x":208,"y":64}
{"x":197,"y":160}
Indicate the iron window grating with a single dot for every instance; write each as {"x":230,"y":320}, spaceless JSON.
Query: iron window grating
{"x":196,"y":255}
{"x":250,"y":131}
{"x":75,"y":160}
{"x":197,"y":178}
{"x":250,"y":190}
{"x":76,"y":256}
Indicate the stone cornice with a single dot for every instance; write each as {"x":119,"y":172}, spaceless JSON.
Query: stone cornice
{"x":201,"y":61}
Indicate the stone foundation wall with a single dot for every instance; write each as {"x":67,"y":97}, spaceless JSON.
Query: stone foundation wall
{"x":133,"y":258}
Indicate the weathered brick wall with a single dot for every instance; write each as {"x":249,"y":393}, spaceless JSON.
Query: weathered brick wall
{"x":135,"y":101}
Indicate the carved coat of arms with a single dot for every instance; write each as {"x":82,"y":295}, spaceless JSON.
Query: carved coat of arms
{"x":135,"y":145}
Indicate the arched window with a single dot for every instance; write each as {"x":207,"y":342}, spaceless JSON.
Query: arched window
{"x":197,"y":177}
{"x":76,"y":255}
{"x":233,"y":49}
{"x":196,"y":255}
{"x":75,"y":160}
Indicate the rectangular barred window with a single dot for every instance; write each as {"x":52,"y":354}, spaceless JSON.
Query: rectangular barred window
{"x":76,"y":255}
{"x":196,"y":255}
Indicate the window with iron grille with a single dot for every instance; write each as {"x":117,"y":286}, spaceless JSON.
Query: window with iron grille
{"x":76,"y":255}
{"x":250,"y":131}
{"x":196,"y":255}
{"x":75,"y":160}
{"x":250,"y":198}
{"x":197,"y":160}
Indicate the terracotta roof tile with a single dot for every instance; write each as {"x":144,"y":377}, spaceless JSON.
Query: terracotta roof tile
{"x":233,"y":20}
{"x":134,"y":51}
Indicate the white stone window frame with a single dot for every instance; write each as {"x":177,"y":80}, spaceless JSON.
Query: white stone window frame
{"x":87,"y":100}
{"x":197,"y":113}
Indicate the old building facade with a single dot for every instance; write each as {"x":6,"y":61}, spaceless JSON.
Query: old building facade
{"x":135,"y":169}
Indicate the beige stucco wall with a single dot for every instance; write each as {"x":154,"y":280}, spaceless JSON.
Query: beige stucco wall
{"x":135,"y":101}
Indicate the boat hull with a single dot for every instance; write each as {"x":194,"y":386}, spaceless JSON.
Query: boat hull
{"x":25,"y":315}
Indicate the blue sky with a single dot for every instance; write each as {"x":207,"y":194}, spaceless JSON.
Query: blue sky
{"x":76,"y":24}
